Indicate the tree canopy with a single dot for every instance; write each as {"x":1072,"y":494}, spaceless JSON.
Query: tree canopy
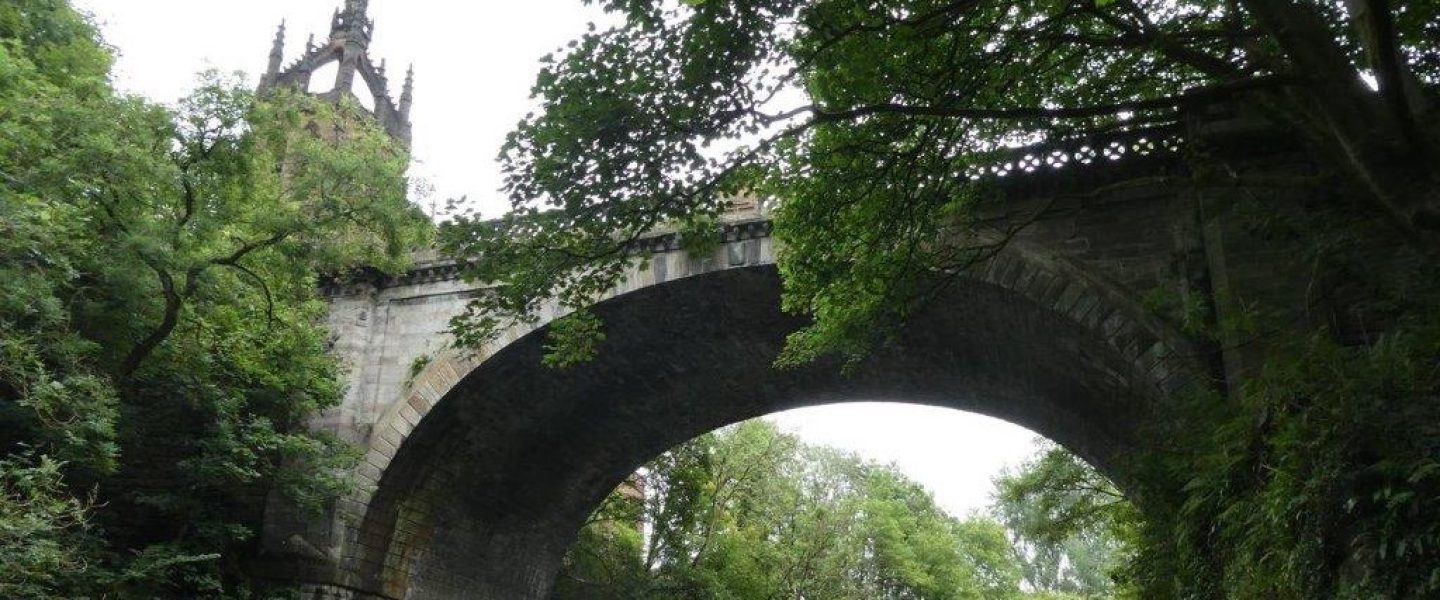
{"x":750,"y":512}
{"x":1071,"y":527}
{"x":864,"y":120}
{"x":161,"y":347}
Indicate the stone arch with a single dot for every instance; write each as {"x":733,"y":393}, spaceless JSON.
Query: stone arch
{"x":478,"y":477}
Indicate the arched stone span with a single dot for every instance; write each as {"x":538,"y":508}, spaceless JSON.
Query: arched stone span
{"x":489,"y":466}
{"x":478,"y":468}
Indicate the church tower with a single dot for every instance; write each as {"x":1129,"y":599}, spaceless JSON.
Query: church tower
{"x":349,"y":49}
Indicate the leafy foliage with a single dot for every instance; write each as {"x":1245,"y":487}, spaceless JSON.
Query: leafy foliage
{"x":575,"y":339}
{"x":160,"y":338}
{"x":1320,"y":483}
{"x":1072,"y":528}
{"x":862,"y":119}
{"x":749,"y":512}
{"x":41,"y":524}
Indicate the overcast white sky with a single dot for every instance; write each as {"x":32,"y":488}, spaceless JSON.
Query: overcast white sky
{"x":474,"y":64}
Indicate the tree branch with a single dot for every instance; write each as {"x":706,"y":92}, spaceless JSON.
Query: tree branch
{"x":1305,"y":38}
{"x":264,"y":289}
{"x":248,"y":247}
{"x":1206,"y":63}
{"x":1376,"y":26}
{"x":188,"y":190}
{"x":175,"y":299}
{"x":173,"y":303}
{"x":1195,"y":96}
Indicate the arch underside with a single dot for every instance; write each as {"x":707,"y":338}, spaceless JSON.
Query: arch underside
{"x":488,"y":491}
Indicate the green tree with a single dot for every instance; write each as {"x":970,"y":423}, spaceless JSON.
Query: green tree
{"x":161,"y":343}
{"x":752,"y":513}
{"x":1071,"y":527}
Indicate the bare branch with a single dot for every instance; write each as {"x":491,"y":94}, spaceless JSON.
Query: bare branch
{"x":1196,"y":96}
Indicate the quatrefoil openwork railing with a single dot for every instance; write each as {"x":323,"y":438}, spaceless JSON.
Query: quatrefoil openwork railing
{"x":1047,"y":158}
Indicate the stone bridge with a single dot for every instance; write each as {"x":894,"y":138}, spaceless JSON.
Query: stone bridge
{"x":480,"y":467}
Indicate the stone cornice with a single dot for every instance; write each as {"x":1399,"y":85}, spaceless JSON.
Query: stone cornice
{"x":440,"y":269}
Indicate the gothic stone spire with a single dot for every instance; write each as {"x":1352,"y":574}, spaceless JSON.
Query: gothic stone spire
{"x":277,"y":54}
{"x":348,"y":47}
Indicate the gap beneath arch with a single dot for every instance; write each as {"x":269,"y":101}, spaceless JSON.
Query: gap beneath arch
{"x":755,"y":509}
{"x":954,"y":453}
